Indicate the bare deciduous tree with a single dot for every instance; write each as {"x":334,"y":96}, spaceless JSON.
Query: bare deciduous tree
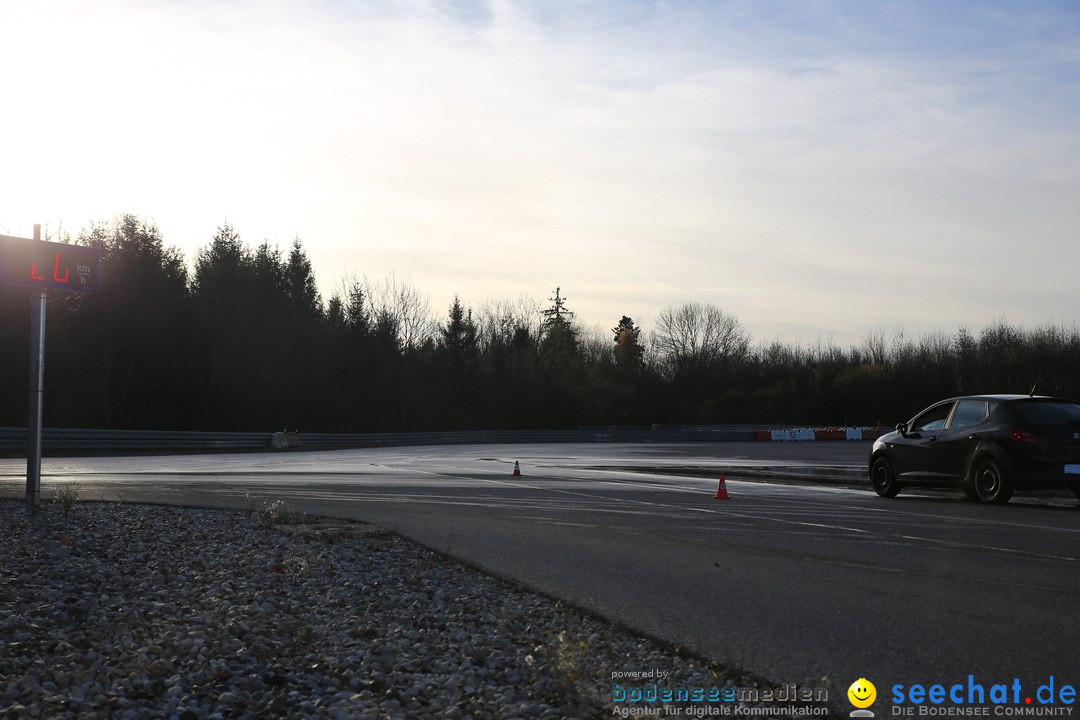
{"x":401,"y":307}
{"x":874,"y":347}
{"x":498,"y":321}
{"x":695,"y":336}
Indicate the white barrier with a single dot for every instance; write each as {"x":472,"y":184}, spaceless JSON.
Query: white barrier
{"x":793,"y":435}
{"x":820,"y":434}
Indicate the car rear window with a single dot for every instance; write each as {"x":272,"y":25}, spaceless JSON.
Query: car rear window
{"x":1047,"y":413}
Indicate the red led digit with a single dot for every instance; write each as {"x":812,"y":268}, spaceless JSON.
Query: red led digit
{"x":33,"y":272}
{"x":56,"y":271}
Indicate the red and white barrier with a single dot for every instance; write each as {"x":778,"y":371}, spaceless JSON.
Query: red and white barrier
{"x":819,"y":434}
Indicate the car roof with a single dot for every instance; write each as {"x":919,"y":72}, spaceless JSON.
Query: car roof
{"x":1005,"y":397}
{"x":1000,"y":397}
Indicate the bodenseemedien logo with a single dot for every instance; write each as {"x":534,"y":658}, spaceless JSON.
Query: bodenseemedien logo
{"x":862,"y":694}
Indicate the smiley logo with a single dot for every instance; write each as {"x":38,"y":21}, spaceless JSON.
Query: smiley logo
{"x":862,"y":693}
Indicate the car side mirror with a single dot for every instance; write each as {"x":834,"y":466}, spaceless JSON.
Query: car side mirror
{"x":902,"y":429}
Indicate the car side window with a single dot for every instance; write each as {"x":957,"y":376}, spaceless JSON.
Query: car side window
{"x":968,"y":413}
{"x":932,"y":419}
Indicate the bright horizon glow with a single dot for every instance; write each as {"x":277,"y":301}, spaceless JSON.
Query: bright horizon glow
{"x":818,"y":170}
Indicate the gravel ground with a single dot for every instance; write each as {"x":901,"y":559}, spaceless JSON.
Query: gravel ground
{"x":139,"y":611}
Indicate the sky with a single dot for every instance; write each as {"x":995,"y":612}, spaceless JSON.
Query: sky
{"x":819,"y":169}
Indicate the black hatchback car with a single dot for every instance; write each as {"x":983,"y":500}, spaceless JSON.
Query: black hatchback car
{"x":986,"y":445}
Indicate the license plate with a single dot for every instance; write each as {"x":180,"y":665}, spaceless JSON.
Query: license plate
{"x":1072,"y":469}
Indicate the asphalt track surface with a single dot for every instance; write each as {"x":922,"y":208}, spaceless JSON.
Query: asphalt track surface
{"x":794,"y":581}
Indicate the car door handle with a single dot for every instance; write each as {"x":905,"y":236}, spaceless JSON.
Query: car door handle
{"x":933,"y":438}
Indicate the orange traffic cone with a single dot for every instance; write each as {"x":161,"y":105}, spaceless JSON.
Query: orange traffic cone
{"x":517,"y":469}
{"x":721,"y":490}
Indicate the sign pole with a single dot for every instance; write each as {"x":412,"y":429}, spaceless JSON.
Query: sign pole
{"x":37,"y":393}
{"x":43,"y":265}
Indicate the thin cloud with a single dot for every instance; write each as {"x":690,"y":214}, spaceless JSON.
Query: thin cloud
{"x":761,"y":158}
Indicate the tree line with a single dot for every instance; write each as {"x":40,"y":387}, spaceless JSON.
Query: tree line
{"x":244,"y":341}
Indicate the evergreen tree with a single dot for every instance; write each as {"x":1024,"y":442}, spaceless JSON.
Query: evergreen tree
{"x":134,"y":328}
{"x":357,"y":314}
{"x":459,"y":336}
{"x":559,"y":337}
{"x":457,"y":366}
{"x":225,"y":307}
{"x":305,"y":305}
{"x":629,"y":354}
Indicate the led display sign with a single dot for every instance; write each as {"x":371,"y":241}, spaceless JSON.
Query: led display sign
{"x":36,"y":263}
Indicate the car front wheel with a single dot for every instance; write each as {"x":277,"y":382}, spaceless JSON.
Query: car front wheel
{"x":883,"y":478}
{"x":990,"y":482}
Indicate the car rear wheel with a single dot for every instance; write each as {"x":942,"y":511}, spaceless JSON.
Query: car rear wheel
{"x":990,"y":482}
{"x":883,"y":478}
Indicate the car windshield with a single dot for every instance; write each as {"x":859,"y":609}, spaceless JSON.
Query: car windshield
{"x":1048,"y":412}
{"x":932,"y":419}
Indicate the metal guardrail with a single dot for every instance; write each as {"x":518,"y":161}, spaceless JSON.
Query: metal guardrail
{"x":106,"y":441}
{"x":586,"y":435}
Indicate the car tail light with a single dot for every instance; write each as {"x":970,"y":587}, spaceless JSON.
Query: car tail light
{"x":1022,"y":436}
